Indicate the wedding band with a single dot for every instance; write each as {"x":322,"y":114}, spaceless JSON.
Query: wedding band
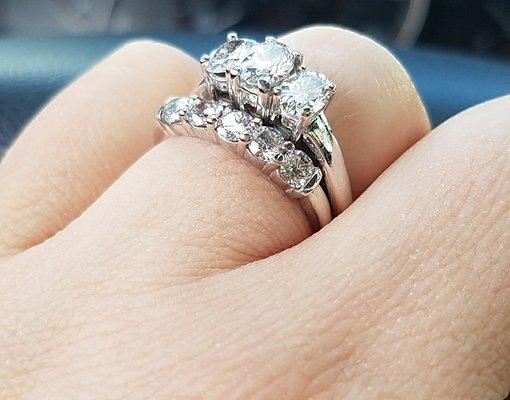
{"x":264,"y":147}
{"x":259,"y":100}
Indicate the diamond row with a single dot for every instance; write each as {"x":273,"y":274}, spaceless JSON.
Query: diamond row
{"x":265,"y":146}
{"x":268,"y":79}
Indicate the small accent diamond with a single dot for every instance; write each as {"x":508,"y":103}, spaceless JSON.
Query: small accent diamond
{"x":234,"y":125}
{"x":202,"y":111}
{"x":297,"y":170}
{"x":172,"y":109}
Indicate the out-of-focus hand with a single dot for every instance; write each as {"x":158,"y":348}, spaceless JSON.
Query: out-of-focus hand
{"x":139,"y":269}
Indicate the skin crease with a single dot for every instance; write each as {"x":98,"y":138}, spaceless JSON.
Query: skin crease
{"x":171,"y":288}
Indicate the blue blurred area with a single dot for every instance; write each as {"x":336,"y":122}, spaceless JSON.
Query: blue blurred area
{"x":33,"y":69}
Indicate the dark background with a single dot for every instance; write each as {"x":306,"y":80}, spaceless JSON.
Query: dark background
{"x":457,"y":51}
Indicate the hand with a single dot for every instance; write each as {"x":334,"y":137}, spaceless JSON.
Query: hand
{"x":133,"y":269}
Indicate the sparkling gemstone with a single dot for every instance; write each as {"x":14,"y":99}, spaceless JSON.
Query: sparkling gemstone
{"x":229,"y":55}
{"x":305,"y":89}
{"x":233,"y":125}
{"x":202,"y":110}
{"x":267,"y":144}
{"x":173,"y":107}
{"x":297,"y":169}
{"x":270,"y":60}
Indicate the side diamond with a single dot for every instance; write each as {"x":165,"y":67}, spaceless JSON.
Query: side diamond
{"x":307,"y":92}
{"x":229,"y":55}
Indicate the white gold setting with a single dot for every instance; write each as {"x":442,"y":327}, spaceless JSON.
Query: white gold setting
{"x":260,"y":101}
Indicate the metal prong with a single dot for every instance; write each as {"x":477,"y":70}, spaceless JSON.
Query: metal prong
{"x":160,"y":113}
{"x":257,"y":122}
{"x":233,"y":86}
{"x":231,"y":36}
{"x":270,"y":167}
{"x":275,"y":101}
{"x":244,"y":139}
{"x":288,"y":146}
{"x":226,"y":109}
{"x":264,"y":98}
{"x":302,"y":68}
{"x":331,"y":87}
{"x":211,"y":120}
{"x":298,"y":58}
{"x":276,"y":178}
{"x":270,"y":39}
{"x":307,"y":110}
{"x":204,"y":58}
{"x":263,"y":85}
{"x":304,"y":120}
{"x":253,"y":160}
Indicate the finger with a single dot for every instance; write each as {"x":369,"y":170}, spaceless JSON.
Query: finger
{"x":376,"y":113}
{"x":413,"y":302}
{"x":83,"y":140}
{"x":189,"y":209}
{"x":189,"y":197}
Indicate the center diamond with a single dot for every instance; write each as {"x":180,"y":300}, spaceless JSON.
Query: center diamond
{"x":307,"y":89}
{"x":269,"y":60}
{"x":234,"y":125}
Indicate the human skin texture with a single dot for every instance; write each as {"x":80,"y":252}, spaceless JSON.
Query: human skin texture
{"x":137,"y":268}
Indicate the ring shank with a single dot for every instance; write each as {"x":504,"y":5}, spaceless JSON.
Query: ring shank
{"x":337,"y":180}
{"x":317,"y":208}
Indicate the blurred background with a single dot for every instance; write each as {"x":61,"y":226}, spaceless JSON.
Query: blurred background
{"x":457,"y":51}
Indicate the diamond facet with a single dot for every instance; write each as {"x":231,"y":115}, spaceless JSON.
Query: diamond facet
{"x":306,"y":89}
{"x":229,"y":55}
{"x":267,"y":144}
{"x":297,"y":170}
{"x":172,"y":109}
{"x":234,"y":125}
{"x":270,"y":61}
{"x":201,"y":111}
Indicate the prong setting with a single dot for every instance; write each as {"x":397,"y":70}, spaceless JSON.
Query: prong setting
{"x":231,"y":36}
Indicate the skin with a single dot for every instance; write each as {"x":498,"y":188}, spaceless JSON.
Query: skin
{"x":135,"y":268}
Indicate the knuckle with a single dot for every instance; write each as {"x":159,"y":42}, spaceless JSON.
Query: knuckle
{"x":143,"y":47}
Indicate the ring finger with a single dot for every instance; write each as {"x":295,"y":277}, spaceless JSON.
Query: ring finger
{"x":198,"y":208}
